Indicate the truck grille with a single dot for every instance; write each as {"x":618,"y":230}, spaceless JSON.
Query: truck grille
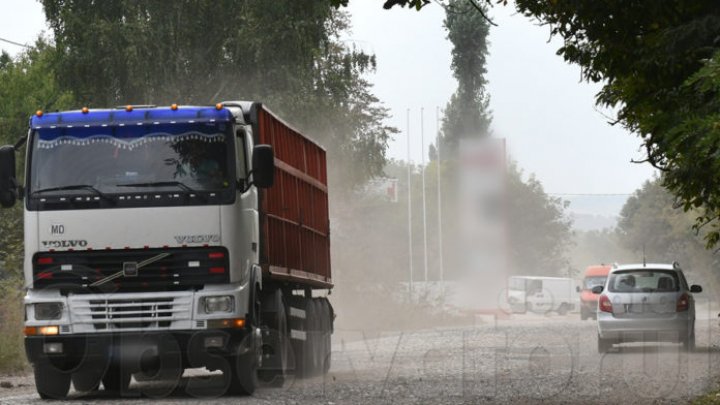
{"x":126,"y":314}
{"x":181,"y":269}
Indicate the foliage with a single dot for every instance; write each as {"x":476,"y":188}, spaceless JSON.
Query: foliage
{"x":539,"y":232}
{"x":466,"y":114}
{"x":285,"y":53}
{"x":27,"y":83}
{"x":658,"y":61}
{"x":12,"y":354}
{"x":650,"y":223}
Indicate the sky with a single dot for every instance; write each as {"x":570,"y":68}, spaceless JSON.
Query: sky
{"x":539,"y":104}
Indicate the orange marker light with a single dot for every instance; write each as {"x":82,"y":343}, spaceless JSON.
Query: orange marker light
{"x":218,"y":106}
{"x":85,"y":110}
{"x":173,"y":107}
{"x":39,"y":113}
{"x":30,"y":331}
{"x":128,"y":108}
{"x":239,"y":323}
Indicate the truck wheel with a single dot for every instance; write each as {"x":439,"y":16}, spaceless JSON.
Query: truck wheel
{"x":50,"y":382}
{"x":327,"y":321}
{"x":583,"y":314}
{"x":563,"y":310}
{"x":276,"y":346}
{"x":116,"y":380}
{"x":244,"y":374}
{"x":311,"y":363}
{"x":87,"y":379}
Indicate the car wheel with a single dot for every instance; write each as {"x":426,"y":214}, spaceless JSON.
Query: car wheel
{"x":604,"y":345}
{"x":689,"y":342}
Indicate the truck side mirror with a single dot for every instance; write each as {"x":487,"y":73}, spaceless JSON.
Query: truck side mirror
{"x":263,"y":166}
{"x":598,"y":289}
{"x":8,"y":182}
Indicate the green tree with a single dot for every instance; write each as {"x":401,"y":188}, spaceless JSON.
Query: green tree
{"x":27,"y":83}
{"x":285,"y":53}
{"x":658,"y":62}
{"x":651,"y":224}
{"x":466,"y":114}
{"x":539,"y":231}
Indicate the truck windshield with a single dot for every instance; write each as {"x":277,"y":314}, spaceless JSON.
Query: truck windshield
{"x":178,"y":158}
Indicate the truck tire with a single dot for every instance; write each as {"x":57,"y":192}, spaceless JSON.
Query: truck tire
{"x":583,"y":314}
{"x":87,"y":379}
{"x":276,"y":345}
{"x":327,"y":321}
{"x":244,"y":374}
{"x":50,"y":382}
{"x":311,"y":352}
{"x":115,"y":380}
{"x":563,"y":309}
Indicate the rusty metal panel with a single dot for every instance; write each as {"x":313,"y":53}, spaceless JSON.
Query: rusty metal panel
{"x":294,"y":212}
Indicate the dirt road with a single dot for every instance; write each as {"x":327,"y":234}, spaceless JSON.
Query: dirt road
{"x":524,"y":359}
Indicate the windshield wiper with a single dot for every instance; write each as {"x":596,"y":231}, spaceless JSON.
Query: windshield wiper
{"x":76,"y":187}
{"x":179,"y":184}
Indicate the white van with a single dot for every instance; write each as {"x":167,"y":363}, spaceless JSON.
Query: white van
{"x":542,"y":294}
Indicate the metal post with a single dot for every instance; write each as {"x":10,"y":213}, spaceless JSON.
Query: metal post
{"x":422,"y":149}
{"x":439,"y":195}
{"x":409,"y":196}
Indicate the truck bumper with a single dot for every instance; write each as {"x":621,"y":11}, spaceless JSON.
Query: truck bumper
{"x":139,"y":351}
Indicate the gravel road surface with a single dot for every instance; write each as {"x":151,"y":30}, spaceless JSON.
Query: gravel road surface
{"x":520,"y":359}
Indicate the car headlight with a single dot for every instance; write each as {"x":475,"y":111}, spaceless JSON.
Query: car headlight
{"x":223,"y":303}
{"x":46,"y":311}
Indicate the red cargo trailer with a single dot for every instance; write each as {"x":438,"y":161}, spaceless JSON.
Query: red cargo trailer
{"x":294,"y":222}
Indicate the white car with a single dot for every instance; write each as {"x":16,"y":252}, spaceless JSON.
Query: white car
{"x":646,"y":302}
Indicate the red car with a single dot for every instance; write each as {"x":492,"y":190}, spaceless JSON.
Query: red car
{"x":594,"y":276}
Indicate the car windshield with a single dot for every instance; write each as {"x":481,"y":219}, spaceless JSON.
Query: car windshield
{"x":120,"y":159}
{"x":591,"y":282}
{"x":643,"y":280}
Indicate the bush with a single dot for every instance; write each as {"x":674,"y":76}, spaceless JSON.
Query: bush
{"x":12,"y":354}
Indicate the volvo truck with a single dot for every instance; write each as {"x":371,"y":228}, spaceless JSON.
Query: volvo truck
{"x":160,"y":239}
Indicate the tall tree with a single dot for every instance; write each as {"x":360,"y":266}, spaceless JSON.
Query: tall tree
{"x":285,"y":53}
{"x":466,"y":114}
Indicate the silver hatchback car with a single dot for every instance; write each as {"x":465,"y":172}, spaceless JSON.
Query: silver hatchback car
{"x":646,"y":302}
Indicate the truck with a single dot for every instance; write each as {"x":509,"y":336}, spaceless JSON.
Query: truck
{"x":541,"y":294}
{"x":159,"y":239}
{"x":594,"y":275}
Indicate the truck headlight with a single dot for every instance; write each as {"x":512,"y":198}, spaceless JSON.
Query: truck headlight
{"x":223,"y":303}
{"x":46,"y":311}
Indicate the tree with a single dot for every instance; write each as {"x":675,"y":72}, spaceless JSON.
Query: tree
{"x":658,"y":61}
{"x":27,"y":83}
{"x":539,"y":232}
{"x":285,"y":53}
{"x":466,"y":114}
{"x":651,"y":225}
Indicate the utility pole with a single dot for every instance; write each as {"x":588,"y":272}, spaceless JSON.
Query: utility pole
{"x":422,"y":149}
{"x":439,"y":194}
{"x":409,"y":197}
